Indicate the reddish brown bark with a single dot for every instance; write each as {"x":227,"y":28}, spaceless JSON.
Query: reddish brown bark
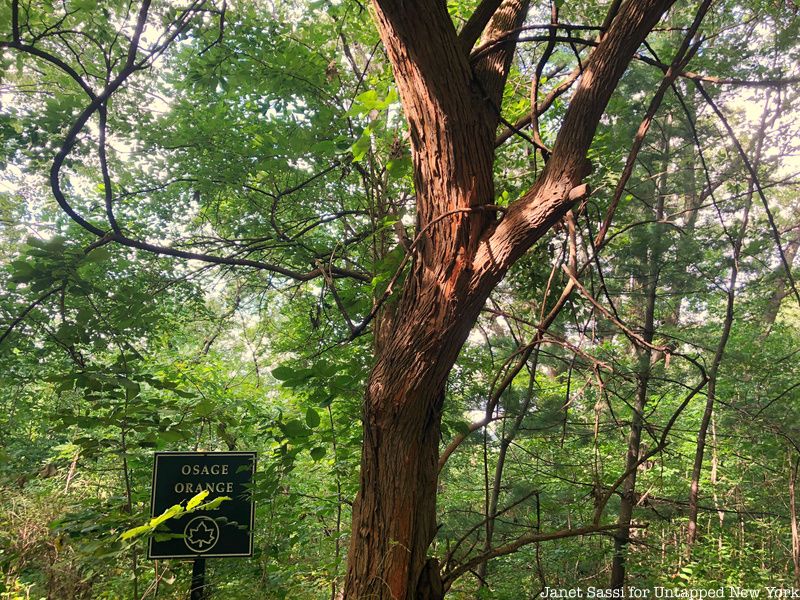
{"x":461,"y":253}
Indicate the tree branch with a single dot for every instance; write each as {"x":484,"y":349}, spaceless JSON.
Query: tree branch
{"x":98,"y":105}
{"x":756,"y":182}
{"x":27,"y":310}
{"x":682,"y":58}
{"x":491,"y":71}
{"x":477,"y":23}
{"x":524,"y":540}
{"x":558,"y":188}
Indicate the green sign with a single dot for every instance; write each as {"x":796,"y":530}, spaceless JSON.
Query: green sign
{"x":226,"y":531}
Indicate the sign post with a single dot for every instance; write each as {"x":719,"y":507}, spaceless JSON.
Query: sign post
{"x":198,"y":591}
{"x":226,"y":531}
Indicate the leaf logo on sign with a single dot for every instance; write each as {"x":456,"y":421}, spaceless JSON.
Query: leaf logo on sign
{"x":201,"y":534}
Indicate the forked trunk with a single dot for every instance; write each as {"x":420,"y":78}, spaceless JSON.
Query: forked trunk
{"x":459,"y":254}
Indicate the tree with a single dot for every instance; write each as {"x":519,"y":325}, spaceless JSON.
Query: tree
{"x":451,"y":85}
{"x":452,"y":127}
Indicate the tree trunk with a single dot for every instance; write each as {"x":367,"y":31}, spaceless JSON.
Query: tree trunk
{"x":652,"y":261}
{"x":779,"y":288}
{"x":394,"y":514}
{"x":713,"y":372}
{"x":714,"y":481}
{"x":793,"y":518}
{"x":622,"y":537}
{"x":460,"y":253}
{"x":497,"y":482}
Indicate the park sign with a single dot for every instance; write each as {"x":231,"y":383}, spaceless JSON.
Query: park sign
{"x":225,"y":531}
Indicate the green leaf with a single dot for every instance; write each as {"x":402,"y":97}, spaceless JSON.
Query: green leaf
{"x":172,"y":511}
{"x":171,"y":435}
{"x":461,"y":427}
{"x":214,"y":504}
{"x":21,"y":271}
{"x":204,"y":408}
{"x":327,"y":401}
{"x":312,"y":418}
{"x":294,"y":429}
{"x":135,"y":532}
{"x":398,"y":168}
{"x":368,"y":99}
{"x":196,"y":500}
{"x":362,"y":145}
{"x":97,"y":255}
{"x":283,"y":373}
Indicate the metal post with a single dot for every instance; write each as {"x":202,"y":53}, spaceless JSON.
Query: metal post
{"x":198,"y":591}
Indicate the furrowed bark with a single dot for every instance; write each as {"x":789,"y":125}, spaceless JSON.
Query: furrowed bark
{"x":452,"y":135}
{"x":461,"y":255}
{"x":492,"y":69}
{"x":558,"y":187}
{"x":473,"y":28}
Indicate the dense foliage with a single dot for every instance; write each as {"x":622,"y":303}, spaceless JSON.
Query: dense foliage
{"x":255,"y":164}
